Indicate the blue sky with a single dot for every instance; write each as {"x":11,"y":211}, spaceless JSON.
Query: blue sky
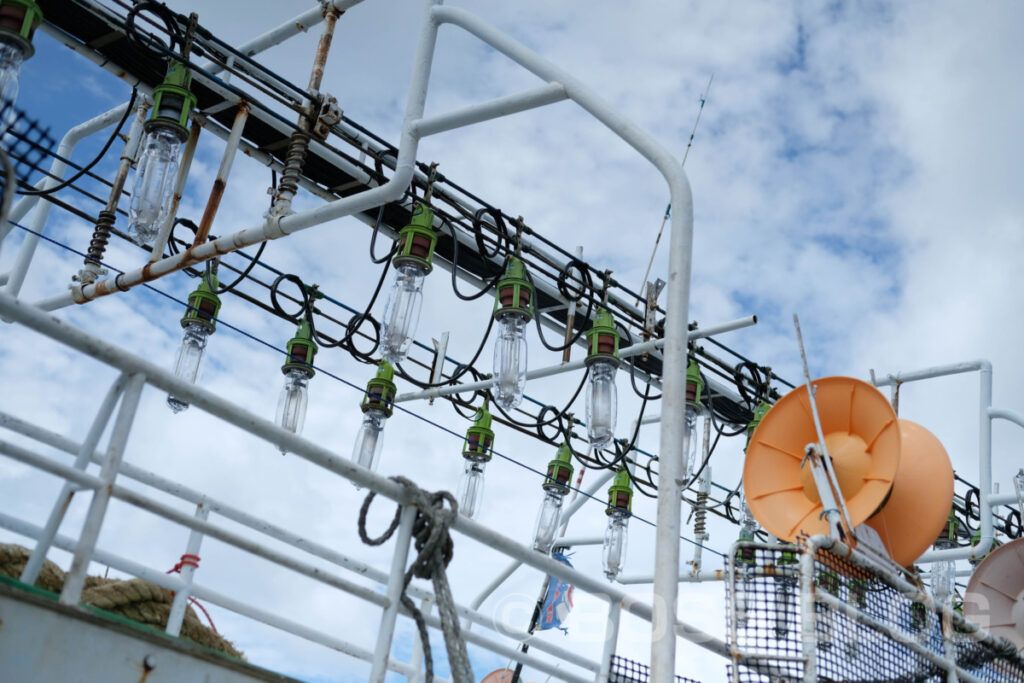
{"x":855,"y":164}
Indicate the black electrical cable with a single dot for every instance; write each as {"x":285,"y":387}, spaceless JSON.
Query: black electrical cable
{"x":305,"y":308}
{"x":88,"y":167}
{"x":373,"y":240}
{"x":455,"y":375}
{"x":1013,"y":531}
{"x":170,"y":19}
{"x":488,"y":284}
{"x":632,"y":367}
{"x":540,"y":422}
{"x":588,"y":284}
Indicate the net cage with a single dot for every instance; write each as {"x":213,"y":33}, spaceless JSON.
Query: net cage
{"x":845,"y":622}
{"x":624,"y":670}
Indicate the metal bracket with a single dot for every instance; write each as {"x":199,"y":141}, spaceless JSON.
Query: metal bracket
{"x":440,"y":349}
{"x":328,"y":116}
{"x":652,"y":290}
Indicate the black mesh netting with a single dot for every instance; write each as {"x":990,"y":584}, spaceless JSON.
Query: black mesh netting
{"x":27,"y":144}
{"x":627,"y":671}
{"x":764,"y":606}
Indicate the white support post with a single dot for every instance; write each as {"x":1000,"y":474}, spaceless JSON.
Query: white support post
{"x":35,"y":562}
{"x":188,"y":570}
{"x":75,"y":579}
{"x":416,"y":658}
{"x":808,"y":618}
{"x":396,"y":583}
{"x":985,"y":417}
{"x":611,"y":639}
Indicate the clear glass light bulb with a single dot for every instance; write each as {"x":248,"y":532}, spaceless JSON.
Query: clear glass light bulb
{"x":291,"y":406}
{"x":510,"y":360}
{"x":11,"y":58}
{"x":547,"y":520}
{"x":602,"y":403}
{"x":614,"y":552}
{"x":369,"y":441}
{"x":402,"y":312}
{"x":154,"y":182}
{"x":692,"y":438}
{"x":471,"y":488}
{"x":190,"y":358}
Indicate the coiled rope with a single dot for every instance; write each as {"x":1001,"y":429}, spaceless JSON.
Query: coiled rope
{"x":434,"y":551}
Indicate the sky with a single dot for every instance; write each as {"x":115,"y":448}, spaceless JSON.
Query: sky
{"x":857,"y":164}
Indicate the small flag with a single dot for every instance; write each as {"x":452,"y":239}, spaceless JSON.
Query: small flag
{"x":557,"y":600}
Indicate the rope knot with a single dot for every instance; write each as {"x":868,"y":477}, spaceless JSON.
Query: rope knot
{"x":435,"y":513}
{"x":187,"y":560}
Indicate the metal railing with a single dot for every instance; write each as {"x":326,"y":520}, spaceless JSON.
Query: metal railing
{"x":821,"y":610}
{"x":123,"y":398}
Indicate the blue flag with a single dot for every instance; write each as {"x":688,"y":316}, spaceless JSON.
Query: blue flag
{"x":557,"y":600}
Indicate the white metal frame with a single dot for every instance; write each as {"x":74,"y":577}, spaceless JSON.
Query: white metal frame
{"x":137,"y":372}
{"x":557,"y":85}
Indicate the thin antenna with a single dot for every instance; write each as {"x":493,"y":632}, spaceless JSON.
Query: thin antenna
{"x":668,"y":207}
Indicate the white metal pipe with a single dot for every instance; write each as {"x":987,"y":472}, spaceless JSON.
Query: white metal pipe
{"x":548,"y":93}
{"x":1008,"y":415}
{"x":18,"y":271}
{"x":74,"y":581}
{"x":217,"y":406}
{"x":276,"y":228}
{"x":628,"y":352}
{"x":227,"y":160}
{"x":35,"y":561}
{"x":187,"y":571}
{"x":185,"y":493}
{"x":254,"y":547}
{"x":808,"y":625}
{"x":174,"y":583}
{"x":567,"y":512}
{"x":514,"y":653}
{"x":932,"y":372}
{"x":684,"y":577}
{"x":1003,"y":499}
{"x":416,"y":658}
{"x":21,"y":454}
{"x":984,"y":369}
{"x":575,"y":541}
{"x":182,"y":587}
{"x":83,"y":479}
{"x":396,"y":584}
{"x":908,"y":641}
{"x":611,"y":639}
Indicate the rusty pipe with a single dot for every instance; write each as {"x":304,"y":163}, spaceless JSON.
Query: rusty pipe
{"x":220,"y":182}
{"x":299,"y":145}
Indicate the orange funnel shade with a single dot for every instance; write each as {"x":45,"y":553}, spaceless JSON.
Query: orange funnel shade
{"x":863,"y":439}
{"x":921,"y":496}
